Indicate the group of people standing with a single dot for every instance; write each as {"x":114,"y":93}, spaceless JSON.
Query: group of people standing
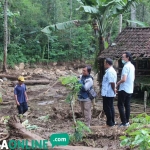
{"x":110,"y":87}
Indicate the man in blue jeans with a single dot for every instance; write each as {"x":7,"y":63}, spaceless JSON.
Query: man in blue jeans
{"x":108,"y":91}
{"x":21,"y":96}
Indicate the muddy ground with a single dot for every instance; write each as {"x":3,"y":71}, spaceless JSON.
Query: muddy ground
{"x":53,"y":103}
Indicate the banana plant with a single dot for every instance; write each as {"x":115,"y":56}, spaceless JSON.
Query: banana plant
{"x":103,"y":14}
{"x":63,"y":26}
{"x":103,"y":11}
{"x":74,"y":86}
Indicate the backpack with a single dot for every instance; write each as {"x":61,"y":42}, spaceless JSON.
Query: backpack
{"x":92,"y":94}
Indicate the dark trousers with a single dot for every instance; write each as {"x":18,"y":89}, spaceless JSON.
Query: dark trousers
{"x":108,"y":108}
{"x":124,"y":106}
{"x":22,"y":108}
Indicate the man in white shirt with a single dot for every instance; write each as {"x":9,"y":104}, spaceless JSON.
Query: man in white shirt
{"x":108,"y":91}
{"x":126,"y":85}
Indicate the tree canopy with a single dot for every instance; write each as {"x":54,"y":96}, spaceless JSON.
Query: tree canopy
{"x":75,"y":40}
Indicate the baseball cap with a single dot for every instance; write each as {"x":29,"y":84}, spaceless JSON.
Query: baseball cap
{"x":21,"y":78}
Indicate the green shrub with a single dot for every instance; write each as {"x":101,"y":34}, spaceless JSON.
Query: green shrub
{"x":138,"y":133}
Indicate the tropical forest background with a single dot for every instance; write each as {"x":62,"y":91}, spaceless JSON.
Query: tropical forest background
{"x":28,"y":44}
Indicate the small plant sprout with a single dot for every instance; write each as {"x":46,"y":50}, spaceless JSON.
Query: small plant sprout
{"x":29,"y":126}
{"x":73,"y":85}
{"x":71,"y":82}
{"x":80,"y":131}
{"x":44,"y":118}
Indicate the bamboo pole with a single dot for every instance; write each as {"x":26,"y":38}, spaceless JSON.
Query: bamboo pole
{"x":145,"y":100}
{"x":5,"y":36}
{"x":120,"y":23}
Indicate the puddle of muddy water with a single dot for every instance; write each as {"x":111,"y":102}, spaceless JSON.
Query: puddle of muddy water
{"x":58,"y":96}
{"x":46,"y":102}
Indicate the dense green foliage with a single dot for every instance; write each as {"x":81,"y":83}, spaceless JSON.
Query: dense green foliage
{"x":26,"y":19}
{"x":142,"y":84}
{"x":138,"y":133}
{"x":28,"y":44}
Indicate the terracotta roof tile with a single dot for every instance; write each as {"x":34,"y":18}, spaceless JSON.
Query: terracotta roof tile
{"x":134,"y":40}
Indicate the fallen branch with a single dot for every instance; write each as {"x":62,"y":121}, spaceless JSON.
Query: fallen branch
{"x":51,"y":87}
{"x":41,"y":76}
{"x":32,"y":82}
{"x":6,"y":135}
{"x":8,"y":76}
{"x":6,"y":103}
{"x":27,"y":77}
{"x":47,"y":89}
{"x":15,"y":123}
{"x":99,"y":116}
{"x":105,"y":131}
{"x":76,"y":148}
{"x":135,"y":112}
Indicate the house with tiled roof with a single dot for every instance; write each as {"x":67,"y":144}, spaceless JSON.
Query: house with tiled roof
{"x":137,"y":42}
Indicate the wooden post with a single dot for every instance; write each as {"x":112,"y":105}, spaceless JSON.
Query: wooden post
{"x":145,"y":100}
{"x":133,"y":16}
{"x":5,"y":36}
{"x":120,"y":23}
{"x":93,"y":103}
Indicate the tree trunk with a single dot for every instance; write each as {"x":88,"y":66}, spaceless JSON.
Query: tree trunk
{"x":15,"y":123}
{"x":5,"y":36}
{"x":133,"y":16}
{"x":70,"y":20}
{"x":120,"y":23}
{"x":8,"y":36}
{"x":101,"y":43}
{"x":55,"y":12}
{"x":48,"y":50}
{"x":33,"y":82}
{"x":101,"y":48}
{"x":36,"y":77}
{"x":143,"y":13}
{"x":17,"y":126}
{"x":73,"y":114}
{"x":11,"y":77}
